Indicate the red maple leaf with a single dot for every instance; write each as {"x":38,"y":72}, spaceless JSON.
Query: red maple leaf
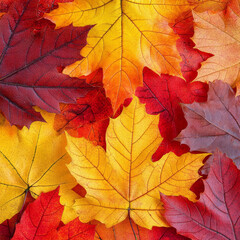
{"x":41,"y":221}
{"x":162,"y":95}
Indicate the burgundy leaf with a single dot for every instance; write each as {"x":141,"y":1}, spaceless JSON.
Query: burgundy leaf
{"x":28,"y":65}
{"x":215,"y":123}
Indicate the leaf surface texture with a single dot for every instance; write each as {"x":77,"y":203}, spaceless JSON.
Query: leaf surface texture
{"x":123,"y":180}
{"x":31,"y":160}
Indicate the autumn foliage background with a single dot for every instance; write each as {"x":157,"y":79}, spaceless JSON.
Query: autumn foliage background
{"x":119,"y":119}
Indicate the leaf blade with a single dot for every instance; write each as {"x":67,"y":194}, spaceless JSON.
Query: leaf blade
{"x":123,"y":180}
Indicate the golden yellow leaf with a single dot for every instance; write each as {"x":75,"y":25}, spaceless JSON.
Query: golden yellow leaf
{"x":31,"y":160}
{"x":123,"y":180}
{"x":218,"y":34}
{"x":127,"y":36}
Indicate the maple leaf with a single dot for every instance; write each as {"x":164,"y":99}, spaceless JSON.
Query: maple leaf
{"x":172,"y":120}
{"x":42,"y":218}
{"x":130,"y":231}
{"x":206,"y":130}
{"x":162,"y":94}
{"x":225,"y":24}
{"x":28,"y":65}
{"x":31,"y":160}
{"x":123,"y":180}
{"x":216,"y":214}
{"x":89,"y":117}
{"x":127,"y":36}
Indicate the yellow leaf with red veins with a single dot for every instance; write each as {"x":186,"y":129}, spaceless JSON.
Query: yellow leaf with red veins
{"x":123,"y":180}
{"x":218,"y":34}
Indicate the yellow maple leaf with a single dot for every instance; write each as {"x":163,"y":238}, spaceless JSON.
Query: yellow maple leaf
{"x":123,"y":180}
{"x":31,"y":160}
{"x":127,"y":36}
{"x":218,"y":34}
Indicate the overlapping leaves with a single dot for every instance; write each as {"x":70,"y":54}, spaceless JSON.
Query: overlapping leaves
{"x":123,"y":180}
{"x":112,"y":145}
{"x":128,"y":36}
{"x":206,"y":131}
{"x":224,"y":65}
{"x":28,"y":64}
{"x":123,"y":41}
{"x":31,"y":160}
{"x":214,"y":216}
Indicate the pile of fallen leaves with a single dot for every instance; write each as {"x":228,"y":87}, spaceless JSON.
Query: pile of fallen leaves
{"x":120,"y":119}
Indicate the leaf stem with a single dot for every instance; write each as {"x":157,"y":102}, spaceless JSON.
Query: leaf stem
{"x":132,"y":226}
{"x":21,"y":211}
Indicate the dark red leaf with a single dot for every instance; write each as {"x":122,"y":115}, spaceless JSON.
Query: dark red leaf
{"x":165,"y":234}
{"x":80,"y":190}
{"x":28,"y":65}
{"x":7,"y":228}
{"x":216,"y":215}
{"x":48,"y":5}
{"x":43,"y":6}
{"x":5,"y":4}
